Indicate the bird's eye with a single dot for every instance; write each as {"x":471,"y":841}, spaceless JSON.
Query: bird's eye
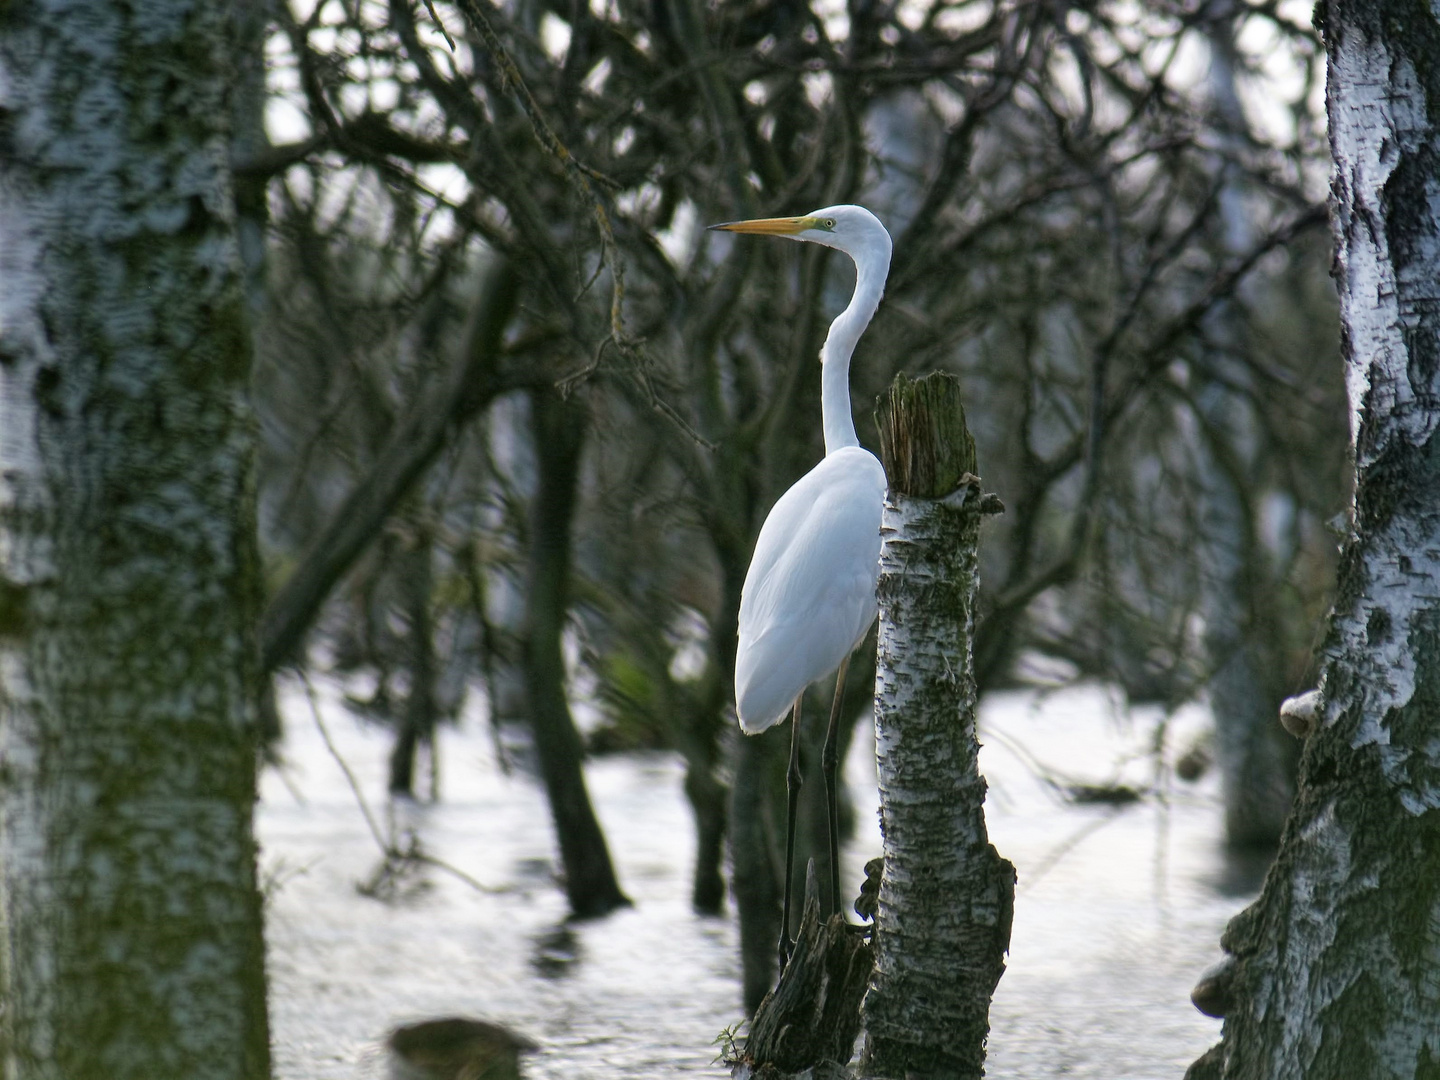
{"x":829,"y":223}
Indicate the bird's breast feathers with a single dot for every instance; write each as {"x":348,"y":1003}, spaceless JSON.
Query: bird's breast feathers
{"x":810,"y":592}
{"x":821,"y":538}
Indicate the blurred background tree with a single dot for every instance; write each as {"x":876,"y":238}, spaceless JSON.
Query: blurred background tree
{"x":486,"y":265}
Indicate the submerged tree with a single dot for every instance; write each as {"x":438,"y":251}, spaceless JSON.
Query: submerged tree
{"x":559,"y":435}
{"x":128,"y":571}
{"x":1057,"y":185}
{"x":1332,"y":972}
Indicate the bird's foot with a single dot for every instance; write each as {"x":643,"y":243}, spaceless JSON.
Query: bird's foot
{"x":787,"y":949}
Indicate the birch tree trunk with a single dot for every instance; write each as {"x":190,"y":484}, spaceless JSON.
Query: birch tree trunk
{"x":1336,"y":967}
{"x":946,"y":897}
{"x":132,"y":943}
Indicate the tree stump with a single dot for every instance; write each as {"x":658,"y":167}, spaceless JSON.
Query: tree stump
{"x":808,"y":1024}
{"x":946,"y":896}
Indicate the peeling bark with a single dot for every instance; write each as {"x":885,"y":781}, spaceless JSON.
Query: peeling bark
{"x":132,"y":944}
{"x":1336,"y":962}
{"x":946,"y":897}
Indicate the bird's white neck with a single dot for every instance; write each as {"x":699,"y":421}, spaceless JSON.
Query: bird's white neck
{"x":839,"y":346}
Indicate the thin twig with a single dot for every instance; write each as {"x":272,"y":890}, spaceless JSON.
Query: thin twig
{"x":453,"y":871}
{"x":579,"y":174}
{"x":385,"y":845}
{"x":430,"y":7}
{"x":1059,"y":851}
{"x":388,"y":848}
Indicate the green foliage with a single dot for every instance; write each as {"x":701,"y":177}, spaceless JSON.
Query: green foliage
{"x":634,"y":709}
{"x":731,"y":1043}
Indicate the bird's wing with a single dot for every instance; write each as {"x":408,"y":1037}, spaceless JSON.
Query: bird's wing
{"x":809,"y":595}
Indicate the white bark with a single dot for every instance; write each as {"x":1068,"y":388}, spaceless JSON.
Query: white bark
{"x":128,"y":577}
{"x":946,"y":897}
{"x":1336,"y":962}
{"x":1386,"y":190}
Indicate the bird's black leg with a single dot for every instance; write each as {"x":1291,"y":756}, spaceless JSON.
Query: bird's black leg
{"x":793,"y":780}
{"x":830,"y":764}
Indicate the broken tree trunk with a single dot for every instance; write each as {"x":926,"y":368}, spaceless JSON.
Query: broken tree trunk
{"x":808,"y":1024}
{"x":946,"y":897}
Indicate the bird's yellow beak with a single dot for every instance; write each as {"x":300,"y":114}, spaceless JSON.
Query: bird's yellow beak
{"x":774,"y":226}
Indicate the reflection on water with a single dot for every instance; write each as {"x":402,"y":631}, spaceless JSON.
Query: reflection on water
{"x":1119,"y":907}
{"x":555,"y":952}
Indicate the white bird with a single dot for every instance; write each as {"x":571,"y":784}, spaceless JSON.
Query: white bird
{"x":809,"y":595}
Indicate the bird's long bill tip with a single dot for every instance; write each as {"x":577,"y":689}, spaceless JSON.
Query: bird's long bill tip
{"x":775,"y":226}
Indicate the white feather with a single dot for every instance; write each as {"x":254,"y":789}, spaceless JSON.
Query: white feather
{"x":809,"y":595}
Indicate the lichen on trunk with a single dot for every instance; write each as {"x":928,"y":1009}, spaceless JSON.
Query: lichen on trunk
{"x":132,"y":922}
{"x":946,"y":897}
{"x":1334,"y":966}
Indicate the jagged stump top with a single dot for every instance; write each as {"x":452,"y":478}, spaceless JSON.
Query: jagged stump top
{"x":924,"y":444}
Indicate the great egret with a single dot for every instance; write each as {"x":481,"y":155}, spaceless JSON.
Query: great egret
{"x":809,"y":595}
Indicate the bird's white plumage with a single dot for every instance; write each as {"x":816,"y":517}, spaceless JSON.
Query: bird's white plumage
{"x":809,"y":595}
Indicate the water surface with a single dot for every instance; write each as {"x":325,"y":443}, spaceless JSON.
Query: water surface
{"x":1118,"y":908}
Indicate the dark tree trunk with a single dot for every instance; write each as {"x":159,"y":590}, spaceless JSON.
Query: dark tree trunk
{"x":1257,"y":767}
{"x":758,"y":762}
{"x":755,"y":858}
{"x":1333,"y":969}
{"x":558,"y":426}
{"x":417,"y":721}
{"x":813,"y":834}
{"x":708,"y":797}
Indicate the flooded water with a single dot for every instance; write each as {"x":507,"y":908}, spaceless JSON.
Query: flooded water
{"x":1118,"y":908}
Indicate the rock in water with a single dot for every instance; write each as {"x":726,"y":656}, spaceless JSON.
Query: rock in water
{"x":455,"y":1048}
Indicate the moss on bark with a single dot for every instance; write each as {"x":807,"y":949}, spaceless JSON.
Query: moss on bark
{"x":946,"y":896}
